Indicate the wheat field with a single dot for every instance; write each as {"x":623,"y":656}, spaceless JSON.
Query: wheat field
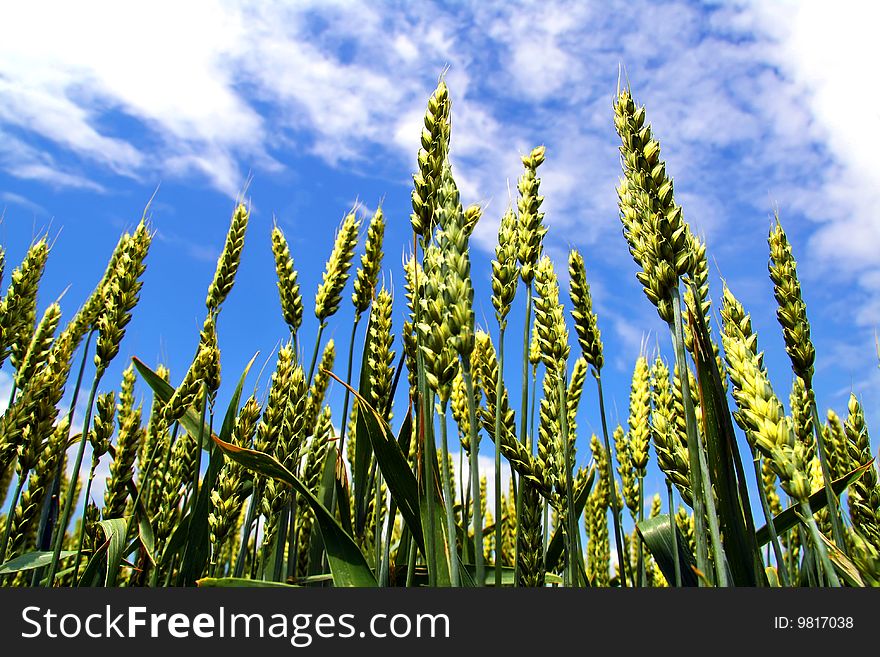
{"x":282,"y":488}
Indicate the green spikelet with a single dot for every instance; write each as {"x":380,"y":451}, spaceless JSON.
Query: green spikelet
{"x":335,"y":275}
{"x":121,"y":296}
{"x":670,"y":441}
{"x":367,"y":275}
{"x":549,"y":318}
{"x":472,"y":215}
{"x":839,"y":463}
{"x":38,"y":350}
{"x":230,"y":257}
{"x":102,"y":428}
{"x":685,"y":522}
{"x":155,"y":428}
{"x":288,"y":287}
{"x":531,"y":469}
{"x":864,"y":494}
{"x":626,"y":470}
{"x":414,"y":276}
{"x":204,"y":368}
{"x":762,"y":416}
{"x":653,"y":225}
{"x":791,"y":310}
{"x":575,"y":390}
{"x":381,"y":356}
{"x":435,"y":332}
{"x":548,"y":456}
{"x":585,"y":321}
{"x":531,"y":549}
{"x":270,"y":425}
{"x":460,"y":413}
{"x":129,"y":438}
{"x":505,"y":272}
{"x":18,"y":308}
{"x":456,"y":289}
{"x":640,"y":416}
{"x":530,"y":228}
{"x":431,"y":159}
{"x":227,"y":495}
{"x":27,"y":512}
{"x":768,"y":482}
{"x":802,"y":416}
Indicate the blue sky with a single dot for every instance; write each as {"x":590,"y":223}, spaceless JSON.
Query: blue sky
{"x":757,"y":106}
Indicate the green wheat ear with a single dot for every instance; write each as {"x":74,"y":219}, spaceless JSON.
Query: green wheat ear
{"x":658,"y":237}
{"x":791,"y":311}
{"x":230,"y":257}
{"x":431,"y":160}
{"x":329,"y":293}
{"x":530,"y":228}
{"x":288,"y":287}
{"x":585,"y":321}
{"x":367,"y":275}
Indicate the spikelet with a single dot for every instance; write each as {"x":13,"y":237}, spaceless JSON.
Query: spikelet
{"x":762,"y":416}
{"x":367,"y":275}
{"x":504,"y":267}
{"x":294,"y":426}
{"x":472,"y":215}
{"x":87,"y":316}
{"x":530,"y":227}
{"x":269,"y":428}
{"x":549,"y":319}
{"x":548,"y":454}
{"x":656,"y":505}
{"x":456,"y":289}
{"x":202,"y":369}
{"x":640,"y":416}
{"x":289,"y":437}
{"x":529,"y":534}
{"x":791,"y":311}
{"x":434,"y":328}
{"x":171,"y":493}
{"x":652,"y":222}
{"x":431,"y":158}
{"x":102,"y":427}
{"x":121,"y":296}
{"x":685,"y":522}
{"x":521,"y":461}
{"x":18,"y":308}
{"x":574,"y":392}
{"x":380,"y":358}
{"x":26,"y":513}
{"x":596,"y":522}
{"x":839,"y":463}
{"x":335,"y":275}
{"x":626,"y":470}
{"x":227,"y":263}
{"x":128,"y":442}
{"x":155,"y":427}
{"x":864,"y":494}
{"x":413,"y":277}
{"x":5,"y":481}
{"x":288,"y":287}
{"x":802,"y":416}
{"x":460,"y":413}
{"x":38,"y":350}
{"x":31,"y":418}
{"x":768,"y":483}
{"x":670,"y":442}
{"x":585,"y":321}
